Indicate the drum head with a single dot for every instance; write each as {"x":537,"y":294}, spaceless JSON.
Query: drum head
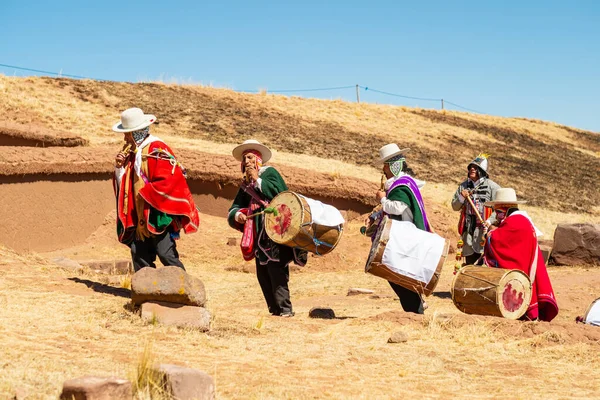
{"x":283,"y":227}
{"x":514,"y":294}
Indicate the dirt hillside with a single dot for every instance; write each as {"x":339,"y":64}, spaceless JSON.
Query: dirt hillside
{"x":541,"y":160}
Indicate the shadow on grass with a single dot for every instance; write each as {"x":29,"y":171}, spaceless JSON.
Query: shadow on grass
{"x":102,"y":288}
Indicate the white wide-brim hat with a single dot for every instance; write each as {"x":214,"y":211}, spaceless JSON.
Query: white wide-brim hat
{"x":504,"y":196}
{"x":251,"y":144}
{"x":133,"y":119}
{"x":388,"y":151}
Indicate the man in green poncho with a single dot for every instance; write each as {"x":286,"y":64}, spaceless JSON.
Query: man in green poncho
{"x":261,"y":184}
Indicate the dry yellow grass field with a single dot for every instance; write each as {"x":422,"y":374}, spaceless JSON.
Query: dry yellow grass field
{"x":57,"y":324}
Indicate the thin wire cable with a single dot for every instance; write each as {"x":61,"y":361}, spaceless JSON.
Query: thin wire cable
{"x":398,"y":95}
{"x":366,"y":88}
{"x":464,"y":108}
{"x":47,"y":72}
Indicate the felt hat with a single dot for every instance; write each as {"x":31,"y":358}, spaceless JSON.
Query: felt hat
{"x":506,"y":196}
{"x":252,"y":144}
{"x":133,"y":119}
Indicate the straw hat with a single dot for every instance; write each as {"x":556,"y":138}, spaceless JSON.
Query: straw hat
{"x":252,"y":144}
{"x":133,"y":119}
{"x":504,"y":196}
{"x":388,"y":151}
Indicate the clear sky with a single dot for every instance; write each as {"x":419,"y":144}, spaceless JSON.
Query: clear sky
{"x":535,"y":59}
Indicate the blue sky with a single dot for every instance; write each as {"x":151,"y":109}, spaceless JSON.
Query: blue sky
{"x":535,"y":59}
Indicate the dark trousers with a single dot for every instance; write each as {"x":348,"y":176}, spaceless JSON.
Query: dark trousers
{"x":411,"y":301}
{"x":144,"y":252}
{"x":273,"y":279}
{"x":472,"y":259}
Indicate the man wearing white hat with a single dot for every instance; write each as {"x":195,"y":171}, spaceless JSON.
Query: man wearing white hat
{"x":260,"y":185}
{"x":514,"y":245}
{"x":401,"y":200}
{"x":480,"y":189}
{"x":154,"y":201}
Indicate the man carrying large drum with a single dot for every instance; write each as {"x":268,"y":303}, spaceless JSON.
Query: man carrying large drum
{"x":404,"y":251}
{"x":260,"y":185}
{"x":514,"y":246}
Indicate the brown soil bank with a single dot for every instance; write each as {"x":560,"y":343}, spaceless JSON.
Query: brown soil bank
{"x":13,"y":134}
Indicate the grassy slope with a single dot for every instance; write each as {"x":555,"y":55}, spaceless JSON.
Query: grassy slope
{"x":542,"y":160}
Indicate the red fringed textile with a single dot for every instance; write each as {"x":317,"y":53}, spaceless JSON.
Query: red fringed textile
{"x":513,"y":246}
{"x":165,"y":189}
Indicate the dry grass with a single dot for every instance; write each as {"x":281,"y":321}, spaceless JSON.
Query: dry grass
{"x":54,"y":327}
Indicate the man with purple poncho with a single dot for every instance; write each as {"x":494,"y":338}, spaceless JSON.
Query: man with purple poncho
{"x":402,"y":201}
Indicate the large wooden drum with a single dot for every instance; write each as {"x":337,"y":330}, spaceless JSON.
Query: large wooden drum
{"x":376,"y":261}
{"x":491,"y":291}
{"x":293,"y":225}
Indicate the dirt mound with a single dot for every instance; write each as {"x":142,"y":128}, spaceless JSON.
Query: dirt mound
{"x":13,"y":134}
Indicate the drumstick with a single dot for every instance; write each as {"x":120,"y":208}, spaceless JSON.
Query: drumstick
{"x":268,"y":210}
{"x":475,"y":209}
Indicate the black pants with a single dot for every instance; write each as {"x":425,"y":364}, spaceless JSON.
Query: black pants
{"x":411,"y":301}
{"x":472,"y":259}
{"x":273,"y":279}
{"x":144,"y":252}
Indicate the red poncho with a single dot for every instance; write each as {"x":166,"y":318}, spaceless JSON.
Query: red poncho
{"x":513,"y":246}
{"x":161,"y":186}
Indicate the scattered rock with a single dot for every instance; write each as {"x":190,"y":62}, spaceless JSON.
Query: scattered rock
{"x":96,"y":388}
{"x":576,"y":244}
{"x":168,"y":284}
{"x":398,"y":337}
{"x":356,"y":291}
{"x":321,"y":312}
{"x":186,"y":383}
{"x":67,"y":263}
{"x":20,"y":394}
{"x":114,"y":267}
{"x":177,"y":315}
{"x":232,"y":241}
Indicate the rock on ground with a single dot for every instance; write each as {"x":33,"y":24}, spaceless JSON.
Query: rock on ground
{"x":96,"y":388}
{"x":168,"y":284}
{"x":321,"y":312}
{"x":178,"y":315}
{"x":576,"y":244}
{"x":186,"y":383}
{"x":398,"y":337}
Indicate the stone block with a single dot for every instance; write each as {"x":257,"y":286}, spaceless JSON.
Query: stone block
{"x":178,"y":315}
{"x":398,"y":337}
{"x":186,"y":383}
{"x":576,"y":244}
{"x":96,"y":388}
{"x":167,"y":284}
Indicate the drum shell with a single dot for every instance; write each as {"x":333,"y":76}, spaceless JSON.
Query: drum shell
{"x":303,"y":230}
{"x":482,"y":290}
{"x":375,"y":267}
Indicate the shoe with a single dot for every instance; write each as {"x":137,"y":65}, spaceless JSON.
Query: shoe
{"x":287,"y":314}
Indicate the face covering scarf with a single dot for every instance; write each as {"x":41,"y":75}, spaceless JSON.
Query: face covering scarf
{"x":396,"y":163}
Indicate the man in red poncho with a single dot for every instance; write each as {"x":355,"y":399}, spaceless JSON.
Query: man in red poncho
{"x":514,"y":245}
{"x":154,"y":201}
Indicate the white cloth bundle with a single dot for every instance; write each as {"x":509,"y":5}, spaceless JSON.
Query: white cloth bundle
{"x":324,"y":214}
{"x":413,"y":252}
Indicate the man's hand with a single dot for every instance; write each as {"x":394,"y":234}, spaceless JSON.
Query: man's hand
{"x":379,"y":195}
{"x":120,"y":159}
{"x":251,"y":174}
{"x":240,"y":218}
{"x":465,"y":193}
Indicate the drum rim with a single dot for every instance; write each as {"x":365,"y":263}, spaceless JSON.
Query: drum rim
{"x":297,"y":197}
{"x":526,"y":301}
{"x":587,"y":312}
